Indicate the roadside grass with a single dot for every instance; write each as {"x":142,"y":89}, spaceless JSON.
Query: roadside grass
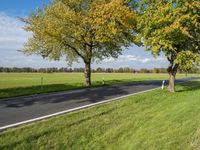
{"x":152,"y":120}
{"x":18,"y":84}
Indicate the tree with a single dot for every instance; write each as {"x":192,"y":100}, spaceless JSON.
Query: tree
{"x":81,"y":29}
{"x":171,"y":27}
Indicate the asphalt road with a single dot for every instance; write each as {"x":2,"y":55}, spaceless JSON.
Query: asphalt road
{"x":19,"y":109}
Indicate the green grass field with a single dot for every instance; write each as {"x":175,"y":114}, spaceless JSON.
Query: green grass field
{"x":17,"y":84}
{"x":153,"y":120}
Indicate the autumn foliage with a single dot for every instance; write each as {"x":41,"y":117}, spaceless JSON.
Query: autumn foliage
{"x":81,"y":29}
{"x":172,"y":27}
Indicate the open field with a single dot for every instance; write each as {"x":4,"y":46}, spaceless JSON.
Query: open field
{"x":17,"y":84}
{"x":153,"y":120}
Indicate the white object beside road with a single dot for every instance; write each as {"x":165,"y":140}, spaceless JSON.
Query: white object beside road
{"x":163,"y":84}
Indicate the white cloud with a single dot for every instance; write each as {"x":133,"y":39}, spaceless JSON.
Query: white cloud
{"x":12,"y":35}
{"x":134,"y":58}
{"x":129,"y":58}
{"x":146,"y":60}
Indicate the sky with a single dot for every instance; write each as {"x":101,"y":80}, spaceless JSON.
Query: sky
{"x":13,"y":37}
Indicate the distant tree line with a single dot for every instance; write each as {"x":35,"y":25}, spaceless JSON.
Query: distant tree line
{"x":97,"y":70}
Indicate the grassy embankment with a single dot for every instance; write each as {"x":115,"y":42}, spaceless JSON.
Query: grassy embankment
{"x":153,"y":120}
{"x":17,"y":84}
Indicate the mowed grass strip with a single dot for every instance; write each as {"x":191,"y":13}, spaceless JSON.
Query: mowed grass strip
{"x":18,"y":84}
{"x":152,"y":120}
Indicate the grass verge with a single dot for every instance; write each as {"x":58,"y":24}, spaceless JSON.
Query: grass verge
{"x":153,"y":120}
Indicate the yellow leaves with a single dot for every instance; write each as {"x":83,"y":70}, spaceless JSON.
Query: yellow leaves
{"x":168,"y":23}
{"x":109,"y":19}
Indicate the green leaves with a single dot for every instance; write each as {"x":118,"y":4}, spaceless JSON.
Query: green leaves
{"x":172,"y":27}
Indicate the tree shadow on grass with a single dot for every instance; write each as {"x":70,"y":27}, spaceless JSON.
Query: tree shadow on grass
{"x":22,"y":91}
{"x":190,"y":86}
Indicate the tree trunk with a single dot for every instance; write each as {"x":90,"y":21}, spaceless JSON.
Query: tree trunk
{"x":172,"y":70}
{"x":171,"y":86}
{"x":87,"y":73}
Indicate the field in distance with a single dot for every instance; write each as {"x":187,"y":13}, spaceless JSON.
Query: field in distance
{"x":17,"y":84}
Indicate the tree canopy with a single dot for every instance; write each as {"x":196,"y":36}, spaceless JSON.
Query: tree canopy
{"x":172,"y":27}
{"x":81,"y":29}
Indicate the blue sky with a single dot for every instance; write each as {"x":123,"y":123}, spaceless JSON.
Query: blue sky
{"x":12,"y":38}
{"x":21,"y":7}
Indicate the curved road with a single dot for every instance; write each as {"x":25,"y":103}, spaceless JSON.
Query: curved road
{"x":14,"y":111}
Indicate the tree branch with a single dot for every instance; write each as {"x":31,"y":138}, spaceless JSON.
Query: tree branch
{"x":76,"y":51}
